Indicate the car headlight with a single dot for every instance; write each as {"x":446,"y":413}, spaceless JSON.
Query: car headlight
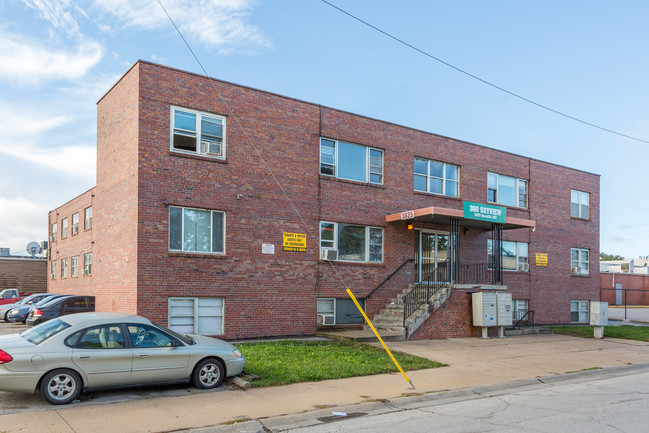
{"x":237,"y":353}
{"x":13,"y":312}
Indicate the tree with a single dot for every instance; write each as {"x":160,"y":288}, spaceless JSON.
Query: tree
{"x":608,"y":257}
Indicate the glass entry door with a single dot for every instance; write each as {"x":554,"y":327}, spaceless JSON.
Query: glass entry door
{"x":431,"y":249}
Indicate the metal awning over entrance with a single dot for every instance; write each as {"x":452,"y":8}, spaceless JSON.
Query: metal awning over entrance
{"x":443,"y":215}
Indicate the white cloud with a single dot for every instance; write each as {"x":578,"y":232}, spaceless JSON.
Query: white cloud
{"x":55,"y":13}
{"x":216,"y":23}
{"x":27,"y":61}
{"x":22,"y":221}
{"x":74,"y":160}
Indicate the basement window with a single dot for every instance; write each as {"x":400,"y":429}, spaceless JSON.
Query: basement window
{"x":202,"y":316}
{"x":197,"y":132}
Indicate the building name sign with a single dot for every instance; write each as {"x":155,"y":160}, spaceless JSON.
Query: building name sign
{"x":485,"y":212}
{"x":294,"y":241}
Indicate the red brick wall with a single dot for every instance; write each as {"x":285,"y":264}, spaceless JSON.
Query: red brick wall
{"x":453,"y":319}
{"x":74,"y":245}
{"x":25,"y":274}
{"x":635,"y":287}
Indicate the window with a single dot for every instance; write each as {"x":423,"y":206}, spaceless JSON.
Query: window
{"x":196,"y":230}
{"x":75,"y":223}
{"x":354,"y":243}
{"x":64,"y":268}
{"x":147,"y":336}
{"x":437,"y":177}
{"x":53,"y":270}
{"x":519,"y":310}
{"x":579,"y":261}
{"x":203,"y":316}
{"x":54,"y":230}
{"x":74,"y":267}
{"x":64,"y":228}
{"x":515,"y":256}
{"x":87,"y":264}
{"x":579,"y":204}
{"x":197,"y":132}
{"x":102,"y":337}
{"x":506,"y":190}
{"x":87,"y":218}
{"x":351,"y":161}
{"x":579,"y":311}
{"x":339,"y":311}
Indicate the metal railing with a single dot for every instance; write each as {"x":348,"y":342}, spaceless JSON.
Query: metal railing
{"x":474,"y":272}
{"x":530,"y":320}
{"x":389,"y":276}
{"x":422,"y":292}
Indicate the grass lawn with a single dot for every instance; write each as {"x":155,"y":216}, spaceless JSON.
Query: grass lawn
{"x":628,"y":332}
{"x":284,"y":362}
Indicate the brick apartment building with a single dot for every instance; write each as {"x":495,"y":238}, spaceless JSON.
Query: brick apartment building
{"x":207,"y":191}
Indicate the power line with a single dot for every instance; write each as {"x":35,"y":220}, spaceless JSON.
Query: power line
{"x":482,"y":80}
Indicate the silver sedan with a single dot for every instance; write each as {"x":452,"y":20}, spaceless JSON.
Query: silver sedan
{"x":89,"y":351}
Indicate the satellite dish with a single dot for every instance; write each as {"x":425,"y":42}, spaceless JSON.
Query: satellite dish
{"x":33,"y":248}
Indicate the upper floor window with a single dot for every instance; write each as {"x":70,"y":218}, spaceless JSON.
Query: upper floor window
{"x":196,"y":230}
{"x":436,"y":177}
{"x":53,"y":270}
{"x":64,"y":268}
{"x":87,"y":264}
{"x":87,"y":218}
{"x":515,"y":255}
{"x":54,"y":231}
{"x":197,"y":132}
{"x":579,"y":204}
{"x":579,"y":261}
{"x":351,"y":161}
{"x":353,"y":242}
{"x":64,"y":228}
{"x":75,"y":223}
{"x":74,"y":268}
{"x":506,"y":190}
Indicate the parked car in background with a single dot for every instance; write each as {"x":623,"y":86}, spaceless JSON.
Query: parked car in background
{"x":10,"y":296}
{"x":28,"y":301}
{"x":60,"y":307}
{"x":105,"y":350}
{"x":19,"y":313}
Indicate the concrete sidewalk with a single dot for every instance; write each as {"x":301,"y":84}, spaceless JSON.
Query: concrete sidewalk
{"x":472,"y":362}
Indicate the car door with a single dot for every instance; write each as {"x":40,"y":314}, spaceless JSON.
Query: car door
{"x":157,"y":356}
{"x":75,"y":304}
{"x":103,"y":355}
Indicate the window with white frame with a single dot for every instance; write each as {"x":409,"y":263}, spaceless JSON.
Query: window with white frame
{"x":197,"y":132}
{"x":53,"y":270}
{"x":75,"y":223}
{"x":579,"y":204}
{"x":515,"y":255}
{"x":64,"y":268}
{"x":54,"y":232}
{"x":87,"y":264}
{"x":203,"y":316}
{"x":354,"y":243}
{"x":64,"y":228}
{"x":351,"y":161}
{"x":333,"y":311}
{"x":87,"y":218}
{"x":579,"y":311}
{"x":506,"y":190}
{"x":74,"y":266}
{"x":519,"y":309}
{"x":579,"y":261}
{"x":326,"y":311}
{"x":196,"y":230}
{"x":437,"y":177}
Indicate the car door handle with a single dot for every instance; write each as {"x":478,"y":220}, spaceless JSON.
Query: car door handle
{"x":143,"y":355}
{"x":84,"y":357}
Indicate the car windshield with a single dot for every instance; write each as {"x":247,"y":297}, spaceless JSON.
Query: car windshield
{"x":183,"y":337}
{"x":49,"y":300}
{"x":42,"y":332}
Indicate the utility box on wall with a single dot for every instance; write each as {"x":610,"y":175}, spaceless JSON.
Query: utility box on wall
{"x":484,"y":308}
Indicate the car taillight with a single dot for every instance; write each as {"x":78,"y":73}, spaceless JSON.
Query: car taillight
{"x":5,"y":357}
{"x":36,"y":312}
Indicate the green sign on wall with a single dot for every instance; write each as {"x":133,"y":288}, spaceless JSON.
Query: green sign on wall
{"x":485,"y":212}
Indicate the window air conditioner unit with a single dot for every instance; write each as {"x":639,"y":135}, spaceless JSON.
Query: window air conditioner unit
{"x":326,"y":319}
{"x":523,"y":267}
{"x":576,"y":270}
{"x":85,"y":272}
{"x":330,"y":255}
{"x":211,"y":148}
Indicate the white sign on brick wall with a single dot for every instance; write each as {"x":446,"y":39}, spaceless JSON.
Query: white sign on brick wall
{"x":268,"y":248}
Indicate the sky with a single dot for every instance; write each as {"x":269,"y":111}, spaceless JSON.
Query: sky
{"x":586,"y":58}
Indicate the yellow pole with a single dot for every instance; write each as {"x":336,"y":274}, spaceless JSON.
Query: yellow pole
{"x":351,"y":295}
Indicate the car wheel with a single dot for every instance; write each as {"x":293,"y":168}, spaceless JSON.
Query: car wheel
{"x":209,"y":373}
{"x":61,"y":386}
{"x":6,"y":318}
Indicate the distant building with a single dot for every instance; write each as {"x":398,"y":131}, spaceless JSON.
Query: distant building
{"x":189,"y":228}
{"x":25,"y":273}
{"x":627,"y":266}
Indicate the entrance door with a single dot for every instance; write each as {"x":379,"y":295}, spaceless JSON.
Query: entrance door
{"x":432,"y":249}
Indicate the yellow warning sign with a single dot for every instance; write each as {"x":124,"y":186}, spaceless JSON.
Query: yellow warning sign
{"x":541,"y":259}
{"x":294,"y":241}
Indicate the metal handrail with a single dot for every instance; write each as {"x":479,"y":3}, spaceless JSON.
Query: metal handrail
{"x":389,"y":276}
{"x":427,"y":287}
{"x":531,"y":321}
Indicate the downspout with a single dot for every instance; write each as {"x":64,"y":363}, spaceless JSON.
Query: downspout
{"x":317,"y":277}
